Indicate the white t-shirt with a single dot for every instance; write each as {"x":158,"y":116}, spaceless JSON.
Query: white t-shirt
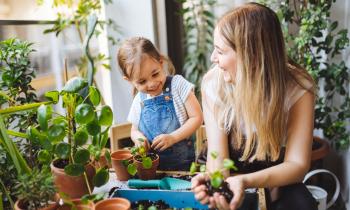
{"x":180,"y":89}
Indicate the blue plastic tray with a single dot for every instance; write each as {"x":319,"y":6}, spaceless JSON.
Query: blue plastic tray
{"x":178,"y":199}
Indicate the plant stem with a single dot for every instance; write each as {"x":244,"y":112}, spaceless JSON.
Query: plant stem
{"x":7,"y":195}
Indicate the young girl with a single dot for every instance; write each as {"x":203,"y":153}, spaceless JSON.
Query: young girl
{"x":165,"y":112}
{"x":258,"y":110}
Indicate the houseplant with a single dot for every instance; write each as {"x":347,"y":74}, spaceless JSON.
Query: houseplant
{"x":198,"y":23}
{"x":216,"y":182}
{"x":145,"y":163}
{"x":316,"y":42}
{"x":72,"y":140}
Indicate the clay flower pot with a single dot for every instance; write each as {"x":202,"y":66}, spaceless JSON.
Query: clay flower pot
{"x":19,"y":205}
{"x":112,"y":204}
{"x":120,"y":159}
{"x":78,"y":205}
{"x":146,"y":174}
{"x":72,"y":186}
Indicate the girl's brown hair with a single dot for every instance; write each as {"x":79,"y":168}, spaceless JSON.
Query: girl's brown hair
{"x":253,"y":109}
{"x":133,"y":50}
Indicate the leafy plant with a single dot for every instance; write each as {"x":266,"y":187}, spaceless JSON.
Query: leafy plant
{"x":216,"y":177}
{"x":83,"y":15}
{"x":199,"y":23}
{"x":35,"y":189}
{"x":141,"y":153}
{"x":316,"y":42}
{"x":77,"y":136}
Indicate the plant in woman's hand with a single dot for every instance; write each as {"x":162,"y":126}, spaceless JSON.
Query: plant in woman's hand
{"x":216,"y":182}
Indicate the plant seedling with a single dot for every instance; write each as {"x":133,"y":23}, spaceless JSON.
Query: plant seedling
{"x":140,"y":153}
{"x":216,"y":182}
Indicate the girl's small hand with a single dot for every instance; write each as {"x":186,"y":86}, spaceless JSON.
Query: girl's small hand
{"x":236,"y":185}
{"x":144,"y":143}
{"x":199,"y":189}
{"x":162,"y":142}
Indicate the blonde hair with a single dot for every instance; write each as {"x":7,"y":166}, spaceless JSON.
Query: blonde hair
{"x":255,"y":104}
{"x":132,"y":51}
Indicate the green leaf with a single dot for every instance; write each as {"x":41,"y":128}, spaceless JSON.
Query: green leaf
{"x":93,"y":128}
{"x":56,"y":133}
{"x":74,"y":169}
{"x":63,"y":150}
{"x":82,"y":156}
{"x":33,"y":135}
{"x":229,"y":164}
{"x":216,"y":181}
{"x":105,"y":116}
{"x":132,"y":169}
{"x":101,"y":177}
{"x":44,"y":156}
{"x":193,"y":168}
{"x":80,"y":137}
{"x":74,"y":85}
{"x":44,"y":114}
{"x":214,"y":154}
{"x":84,"y":113}
{"x":202,"y":168}
{"x":53,"y":96}
{"x":147,"y":162}
{"x":94,"y":95}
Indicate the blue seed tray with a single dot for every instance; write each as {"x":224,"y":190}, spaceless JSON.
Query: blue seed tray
{"x":178,"y":199}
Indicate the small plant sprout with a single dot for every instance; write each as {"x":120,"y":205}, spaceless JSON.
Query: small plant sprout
{"x":141,"y":153}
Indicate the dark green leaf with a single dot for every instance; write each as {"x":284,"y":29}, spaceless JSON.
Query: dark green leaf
{"x":80,"y":137}
{"x":82,"y":156}
{"x":94,"y":95}
{"x":44,"y":114}
{"x":84,"y":113}
{"x":53,"y":96}
{"x":93,"y":128}
{"x":74,"y":169}
{"x":56,"y":133}
{"x":62,"y":150}
{"x":101,"y":177}
{"x":105,"y":116}
{"x":132,"y":169}
{"x":74,"y":85}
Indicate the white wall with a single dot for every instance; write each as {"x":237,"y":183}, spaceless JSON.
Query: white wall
{"x":135,"y":18}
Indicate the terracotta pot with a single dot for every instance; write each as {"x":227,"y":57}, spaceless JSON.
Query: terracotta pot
{"x":321,"y":150}
{"x":72,"y":186}
{"x":112,"y":204}
{"x":146,"y":174}
{"x":19,"y":205}
{"x":119,"y":160}
{"x":78,"y":205}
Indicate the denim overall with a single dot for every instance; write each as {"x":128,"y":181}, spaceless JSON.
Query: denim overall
{"x":158,"y":116}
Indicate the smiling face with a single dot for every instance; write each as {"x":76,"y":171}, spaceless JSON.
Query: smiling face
{"x":150,"y":77}
{"x":225,"y":57}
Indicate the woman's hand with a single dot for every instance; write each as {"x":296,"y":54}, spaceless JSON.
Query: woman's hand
{"x":199,"y":189}
{"x":163,"y":141}
{"x":236,"y":185}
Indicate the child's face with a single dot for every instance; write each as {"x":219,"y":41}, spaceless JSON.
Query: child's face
{"x":150,"y":78}
{"x":225,"y":57}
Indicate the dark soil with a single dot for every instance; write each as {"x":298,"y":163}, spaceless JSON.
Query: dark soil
{"x":223,"y":190}
{"x":61,"y":163}
{"x":151,"y":155}
{"x":145,"y":204}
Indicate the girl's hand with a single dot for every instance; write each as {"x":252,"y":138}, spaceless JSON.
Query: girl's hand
{"x":143,"y":143}
{"x":199,"y":189}
{"x":236,"y":185}
{"x":162,"y":142}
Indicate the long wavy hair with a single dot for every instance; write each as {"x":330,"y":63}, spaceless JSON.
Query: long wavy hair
{"x":133,"y":50}
{"x":253,"y":109}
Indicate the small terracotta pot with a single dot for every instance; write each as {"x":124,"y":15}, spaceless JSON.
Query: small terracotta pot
{"x":78,"y":205}
{"x":113,"y":204}
{"x":19,"y":205}
{"x":146,"y":174}
{"x":120,"y":158}
{"x":72,"y":186}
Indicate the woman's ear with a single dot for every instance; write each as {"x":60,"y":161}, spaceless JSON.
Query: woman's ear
{"x":127,"y":79}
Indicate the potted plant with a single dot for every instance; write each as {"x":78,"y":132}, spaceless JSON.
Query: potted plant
{"x":144,"y":163}
{"x":217,"y":182}
{"x":120,"y":161}
{"x":72,"y":141}
{"x":36,"y":191}
{"x":316,"y":42}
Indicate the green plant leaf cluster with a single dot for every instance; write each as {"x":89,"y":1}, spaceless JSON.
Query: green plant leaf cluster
{"x":139,"y":151}
{"x":199,"y":23}
{"x":36,"y":189}
{"x":315,"y":41}
{"x":79,"y":134}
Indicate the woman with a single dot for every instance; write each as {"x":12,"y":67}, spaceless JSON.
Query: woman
{"x":258,"y":110}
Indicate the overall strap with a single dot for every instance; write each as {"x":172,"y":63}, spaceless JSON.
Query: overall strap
{"x":167,"y":85}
